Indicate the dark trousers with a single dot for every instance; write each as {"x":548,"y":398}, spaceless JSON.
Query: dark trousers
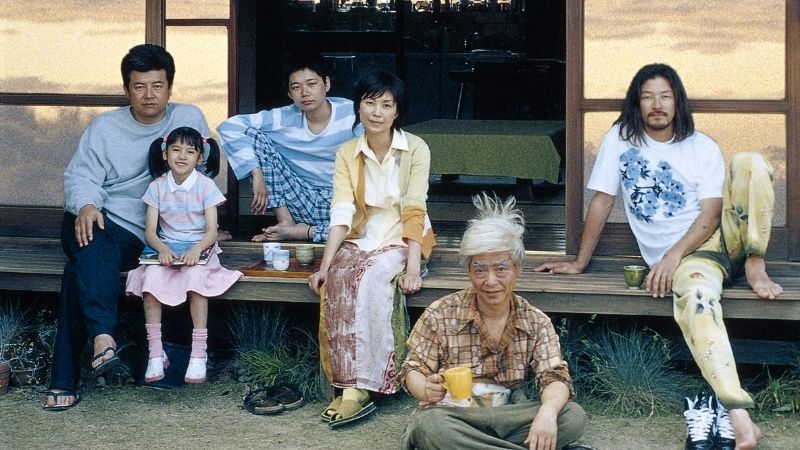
{"x":90,"y":290}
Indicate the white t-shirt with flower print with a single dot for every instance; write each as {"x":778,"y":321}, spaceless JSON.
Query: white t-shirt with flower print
{"x":662,"y":184}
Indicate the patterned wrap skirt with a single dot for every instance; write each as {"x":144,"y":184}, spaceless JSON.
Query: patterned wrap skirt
{"x":363,"y":319}
{"x":170,"y":285}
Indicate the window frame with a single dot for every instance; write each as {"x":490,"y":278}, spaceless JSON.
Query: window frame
{"x":617,"y":238}
{"x":28,"y":221}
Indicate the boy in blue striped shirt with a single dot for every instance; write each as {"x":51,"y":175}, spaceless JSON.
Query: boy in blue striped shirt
{"x":290,"y":151}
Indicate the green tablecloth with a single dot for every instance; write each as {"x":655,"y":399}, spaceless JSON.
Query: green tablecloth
{"x":512,"y":148}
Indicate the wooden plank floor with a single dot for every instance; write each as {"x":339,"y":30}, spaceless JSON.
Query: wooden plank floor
{"x":36,"y":265}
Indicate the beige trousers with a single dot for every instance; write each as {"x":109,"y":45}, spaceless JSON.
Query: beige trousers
{"x":746,"y":223}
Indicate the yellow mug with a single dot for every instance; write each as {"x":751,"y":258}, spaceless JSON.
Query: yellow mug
{"x":458,"y":381}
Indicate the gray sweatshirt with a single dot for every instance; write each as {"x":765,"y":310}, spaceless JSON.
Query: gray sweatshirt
{"x":109,"y":168}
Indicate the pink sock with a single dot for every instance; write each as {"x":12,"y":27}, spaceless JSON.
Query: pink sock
{"x":154,"y":346}
{"x":199,"y":337}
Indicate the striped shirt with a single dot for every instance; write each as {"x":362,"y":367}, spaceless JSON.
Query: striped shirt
{"x":451,"y":333}
{"x":310,"y":156}
{"x":181,"y":208}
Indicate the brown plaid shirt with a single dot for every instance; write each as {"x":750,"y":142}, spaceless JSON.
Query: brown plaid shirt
{"x":451,"y":333}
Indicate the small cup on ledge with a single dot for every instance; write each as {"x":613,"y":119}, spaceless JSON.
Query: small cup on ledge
{"x":269,"y":248}
{"x":304,"y":254}
{"x":280,"y":260}
{"x":634,"y":276}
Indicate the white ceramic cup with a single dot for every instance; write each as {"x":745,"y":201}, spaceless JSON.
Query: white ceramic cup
{"x":280,"y":259}
{"x":269,"y":248}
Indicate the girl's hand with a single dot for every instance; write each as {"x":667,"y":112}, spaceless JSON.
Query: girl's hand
{"x":317,"y":279}
{"x":165,"y":257}
{"x":410,"y":283}
{"x":191,"y":257}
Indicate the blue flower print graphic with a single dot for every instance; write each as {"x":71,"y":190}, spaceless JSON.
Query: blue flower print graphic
{"x":650,"y":193}
{"x":634,"y":167}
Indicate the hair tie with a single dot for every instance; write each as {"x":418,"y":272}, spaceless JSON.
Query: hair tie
{"x":206,"y":145}
{"x":164,"y":142}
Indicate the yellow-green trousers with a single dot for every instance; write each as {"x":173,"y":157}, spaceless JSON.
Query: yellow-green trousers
{"x":747,"y":210}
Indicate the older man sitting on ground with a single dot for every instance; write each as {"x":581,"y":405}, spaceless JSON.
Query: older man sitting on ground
{"x":503,"y":340}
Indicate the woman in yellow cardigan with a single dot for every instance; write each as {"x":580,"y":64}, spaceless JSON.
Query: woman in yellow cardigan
{"x":379,"y":233}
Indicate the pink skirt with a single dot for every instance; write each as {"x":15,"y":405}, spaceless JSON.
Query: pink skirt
{"x":171,"y":284}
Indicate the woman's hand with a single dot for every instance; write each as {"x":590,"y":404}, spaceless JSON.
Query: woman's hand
{"x":410,"y":283}
{"x":317,"y":279}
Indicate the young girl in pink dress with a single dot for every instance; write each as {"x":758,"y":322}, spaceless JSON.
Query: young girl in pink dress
{"x":181,"y":222}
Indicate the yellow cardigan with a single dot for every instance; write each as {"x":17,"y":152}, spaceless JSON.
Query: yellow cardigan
{"x":349,"y":186}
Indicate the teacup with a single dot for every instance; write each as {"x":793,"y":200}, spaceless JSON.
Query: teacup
{"x":634,"y":276}
{"x":280,"y":259}
{"x":458,"y":381}
{"x":304,"y":254}
{"x":269,"y":248}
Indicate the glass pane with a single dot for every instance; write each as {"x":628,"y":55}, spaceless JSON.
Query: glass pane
{"x":198,"y":9}
{"x":38,"y":143}
{"x":202,"y":80}
{"x":67,"y":46}
{"x":763,"y":133}
{"x":732,"y":51}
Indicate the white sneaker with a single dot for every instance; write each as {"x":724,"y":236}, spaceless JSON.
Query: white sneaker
{"x":155,"y":368}
{"x":196,"y":372}
{"x":700,"y":421}
{"x":724,"y":435}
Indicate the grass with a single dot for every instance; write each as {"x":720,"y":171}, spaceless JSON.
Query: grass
{"x":256,"y":327}
{"x":631,"y":373}
{"x":270,"y":351}
{"x":780,"y":395}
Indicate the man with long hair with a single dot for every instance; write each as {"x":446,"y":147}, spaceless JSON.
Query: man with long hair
{"x":697,"y":226}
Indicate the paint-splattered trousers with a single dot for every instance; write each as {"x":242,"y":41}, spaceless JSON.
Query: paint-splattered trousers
{"x":746,"y":222}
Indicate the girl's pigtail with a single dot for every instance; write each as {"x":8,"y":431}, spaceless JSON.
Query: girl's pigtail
{"x":156,"y":164}
{"x":211,"y":150}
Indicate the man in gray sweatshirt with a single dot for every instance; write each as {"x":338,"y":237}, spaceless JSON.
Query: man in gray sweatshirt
{"x":103,"y":228}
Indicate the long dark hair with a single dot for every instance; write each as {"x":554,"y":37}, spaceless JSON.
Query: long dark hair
{"x":631,"y":124}
{"x":186,"y":135}
{"x":374,"y":84}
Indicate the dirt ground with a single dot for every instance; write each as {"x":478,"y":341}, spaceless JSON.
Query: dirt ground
{"x":210,"y":416}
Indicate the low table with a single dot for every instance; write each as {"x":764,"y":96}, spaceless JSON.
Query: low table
{"x":523,"y":149}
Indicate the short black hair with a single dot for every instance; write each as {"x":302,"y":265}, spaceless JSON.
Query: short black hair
{"x":307,"y":60}
{"x":631,"y":124}
{"x":145,"y":58}
{"x":373,"y":85}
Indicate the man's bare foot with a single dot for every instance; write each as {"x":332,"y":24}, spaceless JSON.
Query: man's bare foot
{"x":102,"y":354}
{"x":747,"y":433}
{"x":287,"y":231}
{"x":755,"y":270}
{"x":260,"y":237}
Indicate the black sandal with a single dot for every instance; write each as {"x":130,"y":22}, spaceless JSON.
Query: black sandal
{"x":273,"y":399}
{"x":260,"y":402}
{"x":56,"y":396}
{"x":106,"y":365}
